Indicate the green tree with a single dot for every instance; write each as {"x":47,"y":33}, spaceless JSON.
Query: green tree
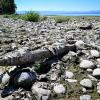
{"x":8,"y":6}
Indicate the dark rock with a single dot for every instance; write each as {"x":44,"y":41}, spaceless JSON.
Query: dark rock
{"x":85,"y":26}
{"x":24,"y":79}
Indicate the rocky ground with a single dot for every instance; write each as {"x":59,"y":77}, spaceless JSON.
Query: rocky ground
{"x":76,"y":76}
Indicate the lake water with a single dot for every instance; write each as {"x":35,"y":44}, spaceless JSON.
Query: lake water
{"x":62,"y":13}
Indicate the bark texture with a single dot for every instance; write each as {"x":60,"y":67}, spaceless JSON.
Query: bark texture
{"x":24,"y":56}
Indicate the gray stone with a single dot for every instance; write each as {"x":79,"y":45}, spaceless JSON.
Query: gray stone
{"x":85,"y":26}
{"x":5,"y":78}
{"x":91,"y":77}
{"x":69,"y":74}
{"x":96,"y":72}
{"x":71,"y":80}
{"x":85,"y":97}
{"x":86,"y":64}
{"x":98,"y":88}
{"x":89,"y":70}
{"x":54,"y":76}
{"x":41,"y":90}
{"x":86,"y":83}
{"x":94,"y":53}
{"x":79,"y":44}
{"x":8,"y":98}
{"x":84,"y":90}
{"x":59,"y":89}
{"x":25,"y":79}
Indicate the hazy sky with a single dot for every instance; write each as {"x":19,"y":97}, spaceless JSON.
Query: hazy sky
{"x":58,"y":5}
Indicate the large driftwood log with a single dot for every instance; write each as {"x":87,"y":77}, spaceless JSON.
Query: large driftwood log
{"x":24,"y":56}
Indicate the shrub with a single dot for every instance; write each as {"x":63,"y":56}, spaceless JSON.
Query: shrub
{"x":60,"y":19}
{"x":31,"y":16}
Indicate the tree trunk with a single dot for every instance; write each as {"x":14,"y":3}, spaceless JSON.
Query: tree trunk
{"x":24,"y":56}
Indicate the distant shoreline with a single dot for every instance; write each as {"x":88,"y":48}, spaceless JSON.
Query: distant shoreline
{"x":64,"y":13}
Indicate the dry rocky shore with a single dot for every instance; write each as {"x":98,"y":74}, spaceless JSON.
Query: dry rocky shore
{"x":73,"y":76}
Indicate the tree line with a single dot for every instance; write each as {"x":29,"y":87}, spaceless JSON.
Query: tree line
{"x":7,"y":6}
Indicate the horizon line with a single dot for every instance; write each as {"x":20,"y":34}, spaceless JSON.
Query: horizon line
{"x":59,"y":10}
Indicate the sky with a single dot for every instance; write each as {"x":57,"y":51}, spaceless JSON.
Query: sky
{"x":58,"y":5}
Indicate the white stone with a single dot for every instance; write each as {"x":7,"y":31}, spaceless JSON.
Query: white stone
{"x":98,"y":60}
{"x":98,"y":65}
{"x":71,"y":53}
{"x":94,"y":53}
{"x":59,"y":89}
{"x":54,"y":76}
{"x":86,"y":64}
{"x":98,"y":88}
{"x":98,"y":91}
{"x":23,"y":76}
{"x":69,"y":74}
{"x":1,"y":72}
{"x":84,"y":90}
{"x":96,"y":72}
{"x":71,"y":80}
{"x":62,"y":40}
{"x":86,"y":83}
{"x":79,"y":43}
{"x":8,"y":98}
{"x":40,"y":91}
{"x":5,"y":78}
{"x":92,"y":77}
{"x":89,"y":70}
{"x":85,"y":97}
{"x":12,"y":69}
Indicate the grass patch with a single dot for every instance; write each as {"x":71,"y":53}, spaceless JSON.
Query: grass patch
{"x":31,"y":16}
{"x":13,"y":16}
{"x":60,"y":19}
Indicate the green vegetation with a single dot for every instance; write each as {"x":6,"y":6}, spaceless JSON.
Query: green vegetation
{"x":31,"y":16}
{"x":35,"y":17}
{"x":7,"y":6}
{"x":60,"y":19}
{"x":13,"y":16}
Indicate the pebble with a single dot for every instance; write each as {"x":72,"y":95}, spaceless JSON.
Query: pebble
{"x":59,"y":89}
{"x":79,"y":43}
{"x":91,"y":77}
{"x":98,"y":87}
{"x":5,"y":78}
{"x":85,"y":97}
{"x":86,"y":83}
{"x":84,"y":90}
{"x":71,"y":80}
{"x":94,"y":53}
{"x":89,"y":70}
{"x":86,"y":64}
{"x":40,"y":89}
{"x":69,"y":74}
{"x":96,"y":72}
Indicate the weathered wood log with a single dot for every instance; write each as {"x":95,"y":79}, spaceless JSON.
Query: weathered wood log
{"x":24,"y":56}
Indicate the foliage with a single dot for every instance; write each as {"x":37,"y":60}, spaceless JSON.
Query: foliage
{"x":30,"y":16}
{"x":13,"y":16}
{"x":60,"y":19}
{"x":7,"y":6}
